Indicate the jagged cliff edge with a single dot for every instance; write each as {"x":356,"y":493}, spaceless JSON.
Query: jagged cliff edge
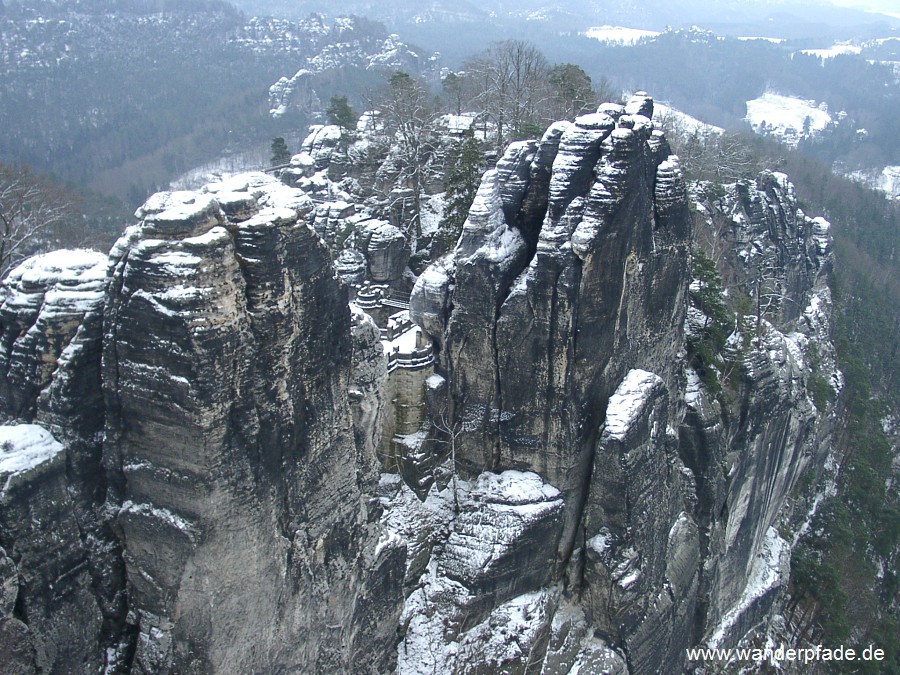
{"x":212,"y":497}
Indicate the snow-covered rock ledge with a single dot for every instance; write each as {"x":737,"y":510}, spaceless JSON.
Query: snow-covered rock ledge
{"x":25,"y":450}
{"x":485,"y":595}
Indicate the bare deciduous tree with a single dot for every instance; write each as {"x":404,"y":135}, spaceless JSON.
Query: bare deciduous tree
{"x":509,"y":81}
{"x":31,"y":211}
{"x":452,"y":431}
{"x":711,"y":155}
{"x":409,"y":111}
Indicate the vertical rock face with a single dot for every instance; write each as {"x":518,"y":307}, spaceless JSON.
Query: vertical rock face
{"x":43,"y":304}
{"x":580,"y":277}
{"x":770,"y":241}
{"x":560,"y":322}
{"x":199,"y":382}
{"x":69,"y":577}
{"x":241,"y":492}
{"x":747,"y":456}
{"x":570,"y":273}
{"x":50,"y":618}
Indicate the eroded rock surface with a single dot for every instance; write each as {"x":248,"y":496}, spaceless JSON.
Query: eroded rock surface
{"x":227,"y":344}
{"x":560,"y":322}
{"x":240,"y":480}
{"x":231,"y":477}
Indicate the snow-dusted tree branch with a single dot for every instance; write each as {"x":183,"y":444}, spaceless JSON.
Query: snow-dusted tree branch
{"x":451,"y":430}
{"x":30,"y":211}
{"x":408,"y":110}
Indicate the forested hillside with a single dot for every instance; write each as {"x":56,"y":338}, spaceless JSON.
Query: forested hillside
{"x":123,"y":101}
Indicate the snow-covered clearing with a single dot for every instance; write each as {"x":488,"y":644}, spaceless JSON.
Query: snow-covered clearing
{"x":788,"y":118}
{"x":839,"y":49}
{"x":619,"y":34}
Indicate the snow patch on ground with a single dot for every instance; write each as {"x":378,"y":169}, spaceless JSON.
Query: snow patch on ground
{"x":222,"y":168}
{"x":619,"y":34}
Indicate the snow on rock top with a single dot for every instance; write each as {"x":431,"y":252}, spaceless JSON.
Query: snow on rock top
{"x":188,"y":210}
{"x":597,"y":120}
{"x":628,"y":401}
{"x":513,"y":487}
{"x":24,"y":447}
{"x":211,"y":237}
{"x":65,"y":281}
{"x":271,"y":216}
{"x":67,"y":267}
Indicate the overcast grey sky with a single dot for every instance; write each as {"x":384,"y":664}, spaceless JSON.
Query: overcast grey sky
{"x":892,"y":6}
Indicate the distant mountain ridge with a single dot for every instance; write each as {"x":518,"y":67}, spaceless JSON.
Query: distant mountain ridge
{"x":635,"y":13}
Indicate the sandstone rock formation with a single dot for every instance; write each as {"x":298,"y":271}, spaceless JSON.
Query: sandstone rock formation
{"x":211,"y":463}
{"x":559,"y":319}
{"x":234,"y":485}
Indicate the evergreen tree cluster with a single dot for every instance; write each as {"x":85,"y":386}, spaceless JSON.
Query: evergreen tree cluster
{"x":462,"y":184}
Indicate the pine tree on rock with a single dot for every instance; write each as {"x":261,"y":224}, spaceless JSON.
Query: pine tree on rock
{"x":462,"y":184}
{"x":280,"y":153}
{"x":341,"y":114}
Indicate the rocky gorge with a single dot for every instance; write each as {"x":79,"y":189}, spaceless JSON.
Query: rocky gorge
{"x":220,"y":454}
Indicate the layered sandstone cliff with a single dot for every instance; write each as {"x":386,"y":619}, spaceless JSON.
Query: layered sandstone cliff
{"x":212,"y":463}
